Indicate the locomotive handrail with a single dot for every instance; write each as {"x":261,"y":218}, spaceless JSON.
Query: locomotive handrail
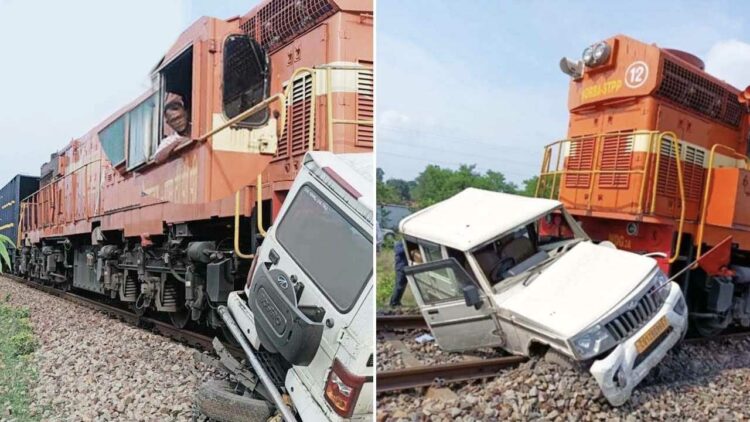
{"x":654,"y":147}
{"x":681,"y":184}
{"x":37,"y":201}
{"x":329,"y":102}
{"x":545,"y":172}
{"x":259,"y":218}
{"x":281,"y":98}
{"x":704,"y":205}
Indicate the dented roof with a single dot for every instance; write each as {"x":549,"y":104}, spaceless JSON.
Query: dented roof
{"x":473,"y":217}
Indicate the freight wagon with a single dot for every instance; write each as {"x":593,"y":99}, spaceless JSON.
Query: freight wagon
{"x":11,"y":196}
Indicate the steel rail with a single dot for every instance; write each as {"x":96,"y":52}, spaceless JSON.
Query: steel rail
{"x":423,"y":376}
{"x":187,"y":337}
{"x":400,"y":322}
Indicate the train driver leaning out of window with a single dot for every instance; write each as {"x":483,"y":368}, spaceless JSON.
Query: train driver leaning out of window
{"x":176,"y":126}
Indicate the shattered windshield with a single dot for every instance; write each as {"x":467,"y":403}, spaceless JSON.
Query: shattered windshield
{"x":526,"y":248}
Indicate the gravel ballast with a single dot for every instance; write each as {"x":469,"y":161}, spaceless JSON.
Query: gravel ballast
{"x":705,"y":381}
{"x":95,"y":368}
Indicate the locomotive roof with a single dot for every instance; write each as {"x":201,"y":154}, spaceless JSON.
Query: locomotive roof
{"x":473,"y":217}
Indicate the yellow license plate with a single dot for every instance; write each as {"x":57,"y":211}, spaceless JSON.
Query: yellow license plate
{"x":652,"y":334}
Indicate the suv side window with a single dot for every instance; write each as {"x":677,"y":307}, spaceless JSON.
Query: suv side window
{"x":439,"y":281}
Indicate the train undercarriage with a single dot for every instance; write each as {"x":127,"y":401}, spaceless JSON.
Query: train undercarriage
{"x":185,"y":273}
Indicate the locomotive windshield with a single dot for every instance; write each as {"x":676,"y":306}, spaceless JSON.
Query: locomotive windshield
{"x":341,"y":268}
{"x":245,"y":78}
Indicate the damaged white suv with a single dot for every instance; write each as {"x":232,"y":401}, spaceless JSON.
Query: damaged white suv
{"x":490,"y":269}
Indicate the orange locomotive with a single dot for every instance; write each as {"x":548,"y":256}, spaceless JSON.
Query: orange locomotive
{"x":161,"y":204}
{"x":656,"y":162}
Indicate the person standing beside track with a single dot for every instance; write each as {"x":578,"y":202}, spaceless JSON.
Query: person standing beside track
{"x":400,"y":262}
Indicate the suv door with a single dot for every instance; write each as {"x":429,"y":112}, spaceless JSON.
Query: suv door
{"x":438,"y":287}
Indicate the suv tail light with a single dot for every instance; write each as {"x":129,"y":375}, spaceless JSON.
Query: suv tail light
{"x":342,"y":389}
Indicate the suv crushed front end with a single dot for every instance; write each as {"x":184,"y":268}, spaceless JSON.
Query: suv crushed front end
{"x":632,"y":359}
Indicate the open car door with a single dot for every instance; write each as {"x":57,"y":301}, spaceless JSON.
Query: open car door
{"x":439,"y":289}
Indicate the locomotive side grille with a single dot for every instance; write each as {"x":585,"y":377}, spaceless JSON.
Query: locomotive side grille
{"x":299,"y":114}
{"x":667,"y":184}
{"x":694,"y":172}
{"x":281,"y":20}
{"x":692,"y":91}
{"x":298,"y":119}
{"x":581,"y":158}
{"x":365,"y":106}
{"x":617,"y":154}
{"x":631,"y":320}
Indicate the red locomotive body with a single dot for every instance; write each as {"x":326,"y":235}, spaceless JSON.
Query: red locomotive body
{"x":140,"y":213}
{"x":655,"y":162}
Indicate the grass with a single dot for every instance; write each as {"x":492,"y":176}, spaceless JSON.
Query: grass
{"x":386,"y":278}
{"x":17,"y":372}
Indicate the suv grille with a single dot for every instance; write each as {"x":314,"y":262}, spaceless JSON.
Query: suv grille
{"x":630,"y":321}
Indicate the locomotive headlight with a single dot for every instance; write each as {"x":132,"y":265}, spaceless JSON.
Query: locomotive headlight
{"x":588,"y":56}
{"x":592,"y":341}
{"x":596,"y":54}
{"x":601,"y":53}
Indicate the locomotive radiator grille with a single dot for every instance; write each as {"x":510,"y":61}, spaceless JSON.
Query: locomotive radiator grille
{"x":280,"y":21}
{"x":631,"y":320}
{"x":581,"y":158}
{"x":690,"y":90}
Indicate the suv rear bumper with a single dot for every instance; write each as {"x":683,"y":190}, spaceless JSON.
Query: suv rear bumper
{"x":620,"y":371}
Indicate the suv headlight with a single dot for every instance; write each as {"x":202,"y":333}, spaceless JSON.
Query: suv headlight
{"x":661,"y":283}
{"x":592,"y":342}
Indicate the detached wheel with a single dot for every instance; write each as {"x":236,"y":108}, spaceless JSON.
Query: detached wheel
{"x":217,"y":400}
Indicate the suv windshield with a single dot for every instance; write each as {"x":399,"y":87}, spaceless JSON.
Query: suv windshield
{"x":342,"y":267}
{"x":524,"y":248}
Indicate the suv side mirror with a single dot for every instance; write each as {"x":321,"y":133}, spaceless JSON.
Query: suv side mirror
{"x":471,"y":296}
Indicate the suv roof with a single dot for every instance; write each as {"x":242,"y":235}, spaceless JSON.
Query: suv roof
{"x":473,"y":217}
{"x":355,"y":168}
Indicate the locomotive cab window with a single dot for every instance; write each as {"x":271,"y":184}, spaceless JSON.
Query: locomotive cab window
{"x":177,"y":97}
{"x":142,"y":125}
{"x":112,"y":139}
{"x":245,"y":81}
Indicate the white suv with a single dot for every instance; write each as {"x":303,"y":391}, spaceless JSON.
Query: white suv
{"x":490,"y":269}
{"x":309,"y":296}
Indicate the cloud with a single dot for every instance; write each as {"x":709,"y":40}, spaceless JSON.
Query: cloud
{"x":730,"y":60}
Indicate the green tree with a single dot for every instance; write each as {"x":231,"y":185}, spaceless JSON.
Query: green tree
{"x":5,"y":244}
{"x":402,"y":188}
{"x":529,"y":186}
{"x":385,"y":194}
{"x":435,"y":183}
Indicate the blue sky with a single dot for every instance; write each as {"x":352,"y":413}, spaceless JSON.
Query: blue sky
{"x":478,"y":82}
{"x":67,"y":65}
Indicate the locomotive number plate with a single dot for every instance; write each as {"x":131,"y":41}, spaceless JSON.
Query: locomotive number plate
{"x":652,"y":334}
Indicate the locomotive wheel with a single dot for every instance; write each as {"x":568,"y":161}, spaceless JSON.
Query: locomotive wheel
{"x":180,"y":318}
{"x":138,"y":311}
{"x":708,"y":327}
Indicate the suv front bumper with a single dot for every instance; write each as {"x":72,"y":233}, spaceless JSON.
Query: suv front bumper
{"x":620,"y":371}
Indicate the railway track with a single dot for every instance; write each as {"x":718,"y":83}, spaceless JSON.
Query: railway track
{"x":439,"y":375}
{"x":190,"y":338}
